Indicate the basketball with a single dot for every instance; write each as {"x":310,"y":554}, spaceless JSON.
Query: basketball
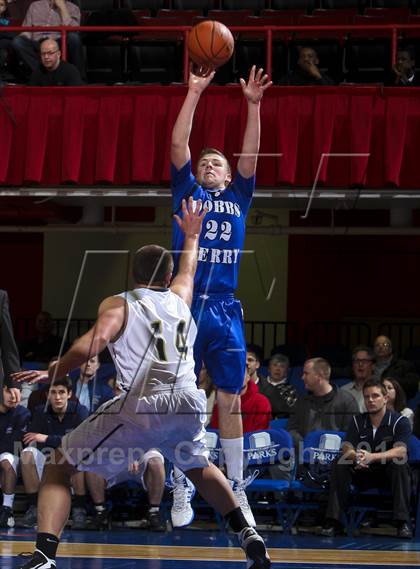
{"x":210,"y":44}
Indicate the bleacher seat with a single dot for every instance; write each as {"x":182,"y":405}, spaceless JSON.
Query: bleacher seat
{"x":255,"y":5}
{"x":263,"y":449}
{"x":278,"y":424}
{"x":152,"y":5}
{"x":195,"y":5}
{"x":390,"y":15}
{"x":157,"y":56}
{"x":358,"y":5}
{"x":186,"y":16}
{"x":230,"y":17}
{"x":307,"y":5}
{"x":318,"y":447}
{"x":290,"y":16}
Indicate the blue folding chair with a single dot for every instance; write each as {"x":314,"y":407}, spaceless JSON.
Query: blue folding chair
{"x":263,"y":449}
{"x":316,"y":450}
{"x":279,"y":424}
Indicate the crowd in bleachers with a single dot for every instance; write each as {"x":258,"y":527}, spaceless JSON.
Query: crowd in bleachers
{"x":333,"y":56}
{"x":306,"y":399}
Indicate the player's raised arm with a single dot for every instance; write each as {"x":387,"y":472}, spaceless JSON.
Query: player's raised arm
{"x":180,"y":151}
{"x":253,"y":92}
{"x":190,"y":224}
{"x":109,"y":324}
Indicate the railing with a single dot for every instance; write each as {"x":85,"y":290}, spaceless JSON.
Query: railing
{"x":268,"y":334}
{"x":266,"y":31}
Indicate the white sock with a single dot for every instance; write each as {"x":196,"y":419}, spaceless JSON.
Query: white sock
{"x":8,"y":500}
{"x":178,"y":474}
{"x":233,"y":450}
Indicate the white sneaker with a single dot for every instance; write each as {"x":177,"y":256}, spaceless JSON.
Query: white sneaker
{"x":183,"y":491}
{"x":238,"y":487}
{"x":255,"y":550}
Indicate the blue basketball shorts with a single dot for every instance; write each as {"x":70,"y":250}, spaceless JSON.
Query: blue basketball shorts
{"x":220,"y":342}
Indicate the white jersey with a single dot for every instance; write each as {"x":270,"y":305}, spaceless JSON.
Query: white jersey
{"x":155,"y":351}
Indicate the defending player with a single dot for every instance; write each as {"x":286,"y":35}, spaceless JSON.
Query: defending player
{"x":220,"y":341}
{"x":150,"y":333}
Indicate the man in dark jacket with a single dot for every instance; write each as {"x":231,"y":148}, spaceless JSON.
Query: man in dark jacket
{"x":323,"y":407}
{"x":9,"y":355}
{"x":52,"y":71}
{"x":14,"y":420}
{"x":277,"y":389}
{"x":374,"y":455}
{"x":307,"y":71}
{"x":48,"y":426}
{"x":389,"y":365}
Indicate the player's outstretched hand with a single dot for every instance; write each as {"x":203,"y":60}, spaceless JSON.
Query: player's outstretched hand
{"x":200,"y":77}
{"x":192,"y":219}
{"x":257,"y":84}
{"x":30,"y":376}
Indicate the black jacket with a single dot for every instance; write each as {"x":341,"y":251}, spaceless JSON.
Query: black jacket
{"x":9,"y":355}
{"x":13,"y":425}
{"x":47,"y":423}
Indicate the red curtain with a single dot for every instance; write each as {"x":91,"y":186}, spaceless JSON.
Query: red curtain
{"x":121,"y":135}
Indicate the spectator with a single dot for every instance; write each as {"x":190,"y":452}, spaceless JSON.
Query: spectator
{"x":323,"y":407}
{"x":90,"y":391}
{"x":307,"y":72}
{"x":396,"y":399}
{"x":9,"y":356}
{"x":363,"y":367}
{"x":14,"y":420}
{"x":405,"y":70}
{"x":45,"y":345}
{"x":40,"y":396}
{"x":50,"y":13}
{"x":255,"y":408}
{"x":366,"y":464}
{"x":388,"y":365}
{"x":5,"y":38}
{"x":52,"y":71}
{"x":150,"y":472}
{"x":47,"y":427}
{"x":253,"y":362}
{"x":277,"y":389}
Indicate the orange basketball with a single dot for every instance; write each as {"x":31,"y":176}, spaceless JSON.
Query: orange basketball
{"x":210,"y":43}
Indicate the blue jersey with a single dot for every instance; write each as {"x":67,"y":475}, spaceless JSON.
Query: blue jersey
{"x":223,"y":234}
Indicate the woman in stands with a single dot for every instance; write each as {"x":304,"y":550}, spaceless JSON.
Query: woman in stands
{"x":396,"y":398}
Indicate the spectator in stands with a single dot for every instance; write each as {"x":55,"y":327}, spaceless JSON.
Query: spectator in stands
{"x":45,"y":345}
{"x":253,"y":361}
{"x":9,"y":355}
{"x":14,"y":420}
{"x":397,"y":400}
{"x":50,"y":13}
{"x":48,"y":426}
{"x":323,"y":407}
{"x":363,"y":368}
{"x":255,"y":408}
{"x":389,"y":365}
{"x":277,"y":389}
{"x":307,"y":71}
{"x":5,"y":37}
{"x":52,"y":71}
{"x":405,"y":70}
{"x":366,"y":464}
{"x":90,"y":391}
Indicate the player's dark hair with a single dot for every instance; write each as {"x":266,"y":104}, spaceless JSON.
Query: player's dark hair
{"x":373,"y":382}
{"x":151,"y":265}
{"x":64,"y":381}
